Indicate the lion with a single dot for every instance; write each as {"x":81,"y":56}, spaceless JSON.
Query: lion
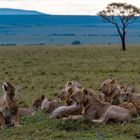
{"x":45,"y":104}
{"x":48,"y":106}
{"x":128,"y":94}
{"x":37,"y":102}
{"x":8,"y":106}
{"x":111,"y":91}
{"x":131,"y":107}
{"x":97,"y":111}
{"x":65,"y":93}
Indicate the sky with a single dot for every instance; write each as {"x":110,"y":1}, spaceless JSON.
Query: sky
{"x":63,"y":7}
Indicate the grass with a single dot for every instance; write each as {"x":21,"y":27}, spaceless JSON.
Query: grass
{"x":44,"y":70}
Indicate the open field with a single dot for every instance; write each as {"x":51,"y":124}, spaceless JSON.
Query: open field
{"x":44,"y":70}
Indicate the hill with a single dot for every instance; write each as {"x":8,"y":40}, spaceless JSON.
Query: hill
{"x":8,"y":11}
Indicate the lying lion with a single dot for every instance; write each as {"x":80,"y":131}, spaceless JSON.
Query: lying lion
{"x":65,"y":95}
{"x":111,"y":91}
{"x":45,"y":104}
{"x":8,"y":106}
{"x":97,"y":111}
{"x":37,"y":102}
{"x":128,"y":95}
{"x":48,"y":106}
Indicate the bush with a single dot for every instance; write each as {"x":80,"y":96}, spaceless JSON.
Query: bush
{"x":77,"y":42}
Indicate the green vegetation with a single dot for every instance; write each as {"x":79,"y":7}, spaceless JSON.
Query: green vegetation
{"x":44,"y":70}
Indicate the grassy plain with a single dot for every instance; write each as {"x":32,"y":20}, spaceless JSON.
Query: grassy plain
{"x":44,"y":70}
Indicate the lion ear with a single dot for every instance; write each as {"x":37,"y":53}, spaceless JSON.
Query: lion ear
{"x":69,"y":83}
{"x":85,"y":91}
{"x":112,"y":81}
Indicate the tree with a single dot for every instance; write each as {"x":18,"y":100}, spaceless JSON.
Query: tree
{"x":121,"y":15}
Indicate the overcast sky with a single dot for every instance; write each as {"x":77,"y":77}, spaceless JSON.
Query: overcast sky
{"x":65,"y":7}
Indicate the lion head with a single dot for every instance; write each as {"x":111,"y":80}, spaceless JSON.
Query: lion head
{"x":84,"y":96}
{"x":37,"y":102}
{"x":108,"y":86}
{"x":67,"y":91}
{"x":9,"y":89}
{"x":126,"y":94}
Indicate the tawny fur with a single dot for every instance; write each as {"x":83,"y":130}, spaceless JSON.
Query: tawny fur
{"x":111,"y":91}
{"x":49,"y":106}
{"x":129,"y":95}
{"x":37,"y":102}
{"x":65,"y":111}
{"x":65,"y":95}
{"x":95,"y":109}
{"x":8,"y":106}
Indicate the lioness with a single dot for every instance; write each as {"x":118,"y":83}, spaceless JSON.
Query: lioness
{"x":111,"y":91}
{"x":69,"y":88}
{"x":65,"y":95}
{"x":37,"y":102}
{"x":45,"y":104}
{"x":97,"y":111}
{"x":49,"y":106}
{"x":128,"y":95}
{"x":8,"y":106}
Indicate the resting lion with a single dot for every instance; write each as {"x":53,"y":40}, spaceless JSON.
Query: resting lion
{"x":97,"y":111}
{"x":48,"y":106}
{"x":37,"y":102}
{"x":65,"y":95}
{"x":111,"y":91}
{"x":128,"y":95}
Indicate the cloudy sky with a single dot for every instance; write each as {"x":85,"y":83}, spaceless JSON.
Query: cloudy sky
{"x":65,"y":7}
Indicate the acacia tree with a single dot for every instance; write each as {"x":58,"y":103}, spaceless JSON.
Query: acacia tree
{"x":121,"y":15}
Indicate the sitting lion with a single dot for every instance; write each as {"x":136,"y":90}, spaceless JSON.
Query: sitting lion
{"x":97,"y":111}
{"x":8,"y":106}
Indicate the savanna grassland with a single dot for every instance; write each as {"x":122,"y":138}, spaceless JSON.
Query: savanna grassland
{"x":45,"y":70}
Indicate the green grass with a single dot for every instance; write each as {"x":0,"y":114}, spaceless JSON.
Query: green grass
{"x":44,"y":70}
